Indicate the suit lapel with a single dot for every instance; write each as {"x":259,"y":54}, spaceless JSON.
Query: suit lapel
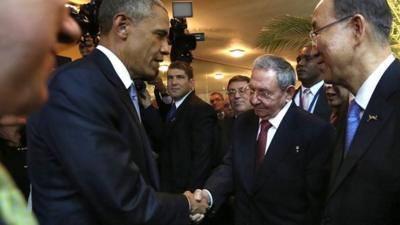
{"x":322,"y":108}
{"x":106,"y":67}
{"x":247,"y":147}
{"x":108,"y":71}
{"x":368,"y":128}
{"x":179,"y":113}
{"x":278,"y":148}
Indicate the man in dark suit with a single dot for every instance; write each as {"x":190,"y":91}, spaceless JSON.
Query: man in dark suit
{"x":217,"y":101}
{"x":90,"y":160}
{"x":311,"y":94}
{"x":239,"y":100}
{"x":278,"y":165}
{"x":190,"y":134}
{"x":353,"y":38}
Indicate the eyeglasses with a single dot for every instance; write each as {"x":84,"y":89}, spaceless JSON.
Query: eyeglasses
{"x":260,"y":94}
{"x":314,"y":33}
{"x":241,"y":91}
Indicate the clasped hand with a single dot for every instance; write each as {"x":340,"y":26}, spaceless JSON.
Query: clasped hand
{"x":199,"y":203}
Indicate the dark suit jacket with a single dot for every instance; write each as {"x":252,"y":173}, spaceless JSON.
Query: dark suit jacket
{"x":89,"y":158}
{"x":289,"y":186}
{"x":365,"y":186}
{"x":322,"y":108}
{"x":189,"y":146}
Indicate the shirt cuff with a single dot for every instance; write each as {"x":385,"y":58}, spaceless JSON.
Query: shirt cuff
{"x":211,"y":201}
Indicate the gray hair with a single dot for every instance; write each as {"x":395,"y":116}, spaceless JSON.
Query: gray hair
{"x":137,"y":10}
{"x":285,"y":74}
{"x":376,"y":12}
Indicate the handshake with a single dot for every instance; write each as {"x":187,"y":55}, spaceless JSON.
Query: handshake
{"x":199,"y":202}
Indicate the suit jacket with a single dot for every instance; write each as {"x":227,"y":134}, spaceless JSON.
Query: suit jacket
{"x":365,"y":186}
{"x":290,"y":184}
{"x":89,"y":158}
{"x":189,"y":147}
{"x":322,"y":108}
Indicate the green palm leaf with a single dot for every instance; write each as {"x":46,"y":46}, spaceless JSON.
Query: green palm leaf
{"x":284,"y":33}
{"x":395,"y":35}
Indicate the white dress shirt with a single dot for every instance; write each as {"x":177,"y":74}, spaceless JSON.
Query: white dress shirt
{"x":275,"y":124}
{"x":314,"y":91}
{"x":366,"y":90}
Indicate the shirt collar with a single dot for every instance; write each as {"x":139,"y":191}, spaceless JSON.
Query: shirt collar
{"x":118,"y":66}
{"x":315,"y":88}
{"x":180,"y":101}
{"x":279,"y":117}
{"x":367,"y":88}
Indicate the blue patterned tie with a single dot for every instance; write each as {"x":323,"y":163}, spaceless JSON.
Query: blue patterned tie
{"x":135,"y":100}
{"x":171,"y":112}
{"x":353,"y":120}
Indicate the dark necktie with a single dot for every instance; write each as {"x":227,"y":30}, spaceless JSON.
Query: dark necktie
{"x":134,"y":99}
{"x":262,"y":142}
{"x":353,"y":120}
{"x":171,"y":112}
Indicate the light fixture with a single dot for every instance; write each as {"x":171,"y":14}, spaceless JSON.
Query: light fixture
{"x":79,"y":2}
{"x":237,"y":53}
{"x":163,"y":67}
{"x":218,"y":76}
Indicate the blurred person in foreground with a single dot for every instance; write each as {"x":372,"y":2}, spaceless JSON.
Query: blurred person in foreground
{"x":28,"y":42}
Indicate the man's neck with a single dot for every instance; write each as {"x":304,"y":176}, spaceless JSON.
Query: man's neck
{"x":309,"y":84}
{"x":368,"y":62}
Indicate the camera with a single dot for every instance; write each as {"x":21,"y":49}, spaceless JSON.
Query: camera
{"x":86,"y":17}
{"x":181,"y":42}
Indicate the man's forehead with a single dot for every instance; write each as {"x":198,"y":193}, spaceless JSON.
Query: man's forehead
{"x":238,"y":83}
{"x":176,"y":72}
{"x":323,"y":9}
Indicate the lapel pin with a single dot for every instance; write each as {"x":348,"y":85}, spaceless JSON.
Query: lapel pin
{"x":372,"y":118}
{"x":297,"y":149}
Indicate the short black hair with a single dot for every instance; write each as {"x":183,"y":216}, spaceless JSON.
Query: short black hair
{"x":239,"y":78}
{"x":186,"y":67}
{"x":376,"y":12}
{"x":217,"y":93}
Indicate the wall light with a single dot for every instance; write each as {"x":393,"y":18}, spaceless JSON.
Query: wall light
{"x":79,"y":2}
{"x":218,"y":76}
{"x":237,"y":53}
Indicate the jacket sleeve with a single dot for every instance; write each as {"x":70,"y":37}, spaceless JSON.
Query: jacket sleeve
{"x":80,"y":129}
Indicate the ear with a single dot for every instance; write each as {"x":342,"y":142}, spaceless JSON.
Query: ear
{"x":120,"y":25}
{"x":358,"y":24}
{"x":290,"y":92}
{"x":192,"y":83}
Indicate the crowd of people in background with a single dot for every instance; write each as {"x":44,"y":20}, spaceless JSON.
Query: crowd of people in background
{"x":89,"y":145}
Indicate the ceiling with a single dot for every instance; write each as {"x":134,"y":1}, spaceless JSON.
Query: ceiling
{"x":232,"y":24}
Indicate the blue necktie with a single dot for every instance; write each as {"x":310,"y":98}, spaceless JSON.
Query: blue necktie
{"x":135,"y":100}
{"x":171,"y":112}
{"x":353,"y":120}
